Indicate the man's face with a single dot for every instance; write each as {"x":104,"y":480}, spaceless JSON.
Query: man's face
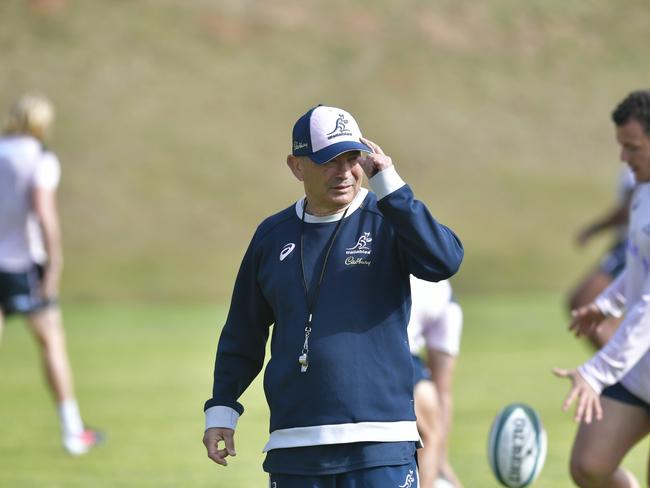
{"x":329,"y":187}
{"x":635,"y":149}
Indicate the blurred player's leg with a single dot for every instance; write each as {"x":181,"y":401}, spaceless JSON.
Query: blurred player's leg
{"x":600,"y":447}
{"x":442,"y":367}
{"x":428,"y":422}
{"x":443,"y":338}
{"x":47,"y":327}
{"x":48,"y":330}
{"x":2,"y":326}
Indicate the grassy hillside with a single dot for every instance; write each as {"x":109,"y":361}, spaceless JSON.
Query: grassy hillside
{"x":175,"y":118}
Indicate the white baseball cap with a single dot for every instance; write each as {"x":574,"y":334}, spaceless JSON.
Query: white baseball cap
{"x":324,"y":132}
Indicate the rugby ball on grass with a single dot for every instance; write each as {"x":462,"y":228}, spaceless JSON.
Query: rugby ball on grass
{"x":517,"y":445}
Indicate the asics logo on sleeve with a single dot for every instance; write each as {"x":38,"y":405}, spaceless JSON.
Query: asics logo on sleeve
{"x":286,"y":250}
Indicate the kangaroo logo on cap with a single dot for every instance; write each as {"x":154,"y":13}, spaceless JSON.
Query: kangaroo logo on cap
{"x":341,"y":122}
{"x":340,"y":129}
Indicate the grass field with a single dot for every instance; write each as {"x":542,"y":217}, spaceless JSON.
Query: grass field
{"x":143,"y":372}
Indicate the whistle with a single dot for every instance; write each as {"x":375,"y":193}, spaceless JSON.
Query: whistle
{"x":304,"y":364}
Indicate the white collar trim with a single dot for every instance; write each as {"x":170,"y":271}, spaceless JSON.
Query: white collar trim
{"x":313,"y":219}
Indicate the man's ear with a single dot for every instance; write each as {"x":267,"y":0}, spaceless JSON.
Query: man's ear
{"x":295,"y":164}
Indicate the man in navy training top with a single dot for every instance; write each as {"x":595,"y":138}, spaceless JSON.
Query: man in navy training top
{"x":331,"y":272}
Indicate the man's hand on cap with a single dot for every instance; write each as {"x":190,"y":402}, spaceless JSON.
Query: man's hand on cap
{"x":373,"y":163}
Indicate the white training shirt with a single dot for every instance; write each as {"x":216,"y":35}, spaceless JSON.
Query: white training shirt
{"x":428,"y":302}
{"x":24,"y":165}
{"x":625,"y":186}
{"x":626,"y":357}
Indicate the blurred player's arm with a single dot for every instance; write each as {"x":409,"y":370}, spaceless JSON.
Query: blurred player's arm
{"x":616,"y":217}
{"x":588,"y":400}
{"x":610,"y":303}
{"x":626,"y":347}
{"x":45,"y":207}
{"x":629,"y":343}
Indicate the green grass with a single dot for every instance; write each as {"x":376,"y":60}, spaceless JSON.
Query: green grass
{"x":144,"y":371}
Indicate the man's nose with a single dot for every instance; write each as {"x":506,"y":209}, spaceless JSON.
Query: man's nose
{"x":624,"y":156}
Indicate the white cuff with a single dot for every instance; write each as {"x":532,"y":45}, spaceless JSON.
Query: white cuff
{"x":220,"y":416}
{"x":593,"y":382}
{"x":606,"y":306}
{"x":386,"y":182}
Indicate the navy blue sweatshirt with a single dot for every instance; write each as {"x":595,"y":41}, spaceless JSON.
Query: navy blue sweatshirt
{"x":358,"y":385}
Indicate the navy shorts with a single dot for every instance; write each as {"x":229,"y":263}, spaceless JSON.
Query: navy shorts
{"x":420,"y":371}
{"x":405,"y":476}
{"x":614,"y":261}
{"x":21,"y":292}
{"x":618,"y":392}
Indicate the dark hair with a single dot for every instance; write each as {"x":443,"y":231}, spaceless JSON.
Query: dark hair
{"x":635,"y":106}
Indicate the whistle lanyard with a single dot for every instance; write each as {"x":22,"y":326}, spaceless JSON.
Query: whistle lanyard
{"x":303,"y":359}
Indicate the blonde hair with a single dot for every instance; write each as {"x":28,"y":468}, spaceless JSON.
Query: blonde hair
{"x":31,"y":114}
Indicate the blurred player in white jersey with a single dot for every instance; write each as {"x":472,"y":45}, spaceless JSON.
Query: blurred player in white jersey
{"x":436,"y":324}
{"x":610,"y":266}
{"x":612,"y":389}
{"x":31,"y":256}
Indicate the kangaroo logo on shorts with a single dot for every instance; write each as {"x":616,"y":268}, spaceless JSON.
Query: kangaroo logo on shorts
{"x":408,"y":482}
{"x":286,"y":250}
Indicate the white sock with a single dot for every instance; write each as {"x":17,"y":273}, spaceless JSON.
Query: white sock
{"x":70,"y":418}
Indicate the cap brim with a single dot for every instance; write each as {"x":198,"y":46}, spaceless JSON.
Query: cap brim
{"x":330,"y":152}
